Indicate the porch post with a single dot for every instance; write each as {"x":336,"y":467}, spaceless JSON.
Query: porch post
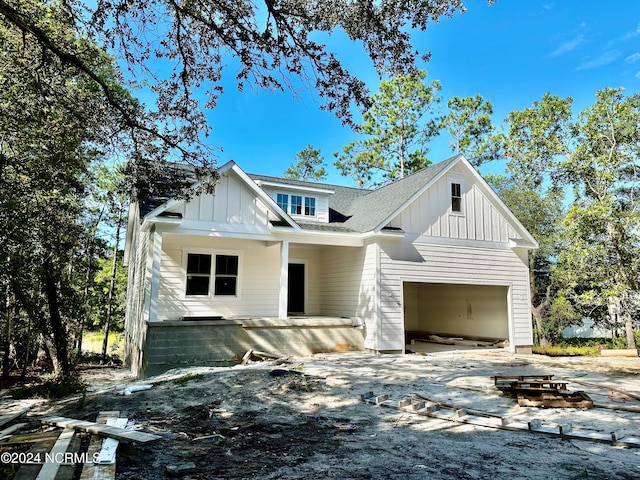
{"x":284,"y":279}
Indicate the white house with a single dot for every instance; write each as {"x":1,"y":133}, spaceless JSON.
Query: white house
{"x":296,"y":267}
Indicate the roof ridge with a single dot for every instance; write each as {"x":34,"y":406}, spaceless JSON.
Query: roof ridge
{"x":307,"y":182}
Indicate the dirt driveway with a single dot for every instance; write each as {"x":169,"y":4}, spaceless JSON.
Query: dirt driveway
{"x":244,"y":422}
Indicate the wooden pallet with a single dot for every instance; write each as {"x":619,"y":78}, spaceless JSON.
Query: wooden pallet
{"x":555,"y":400}
{"x":452,"y":413}
{"x":541,"y":391}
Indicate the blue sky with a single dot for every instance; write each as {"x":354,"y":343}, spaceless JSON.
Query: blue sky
{"x":511,"y":53}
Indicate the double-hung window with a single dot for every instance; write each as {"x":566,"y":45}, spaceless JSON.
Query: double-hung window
{"x":283,"y":201}
{"x":226,"y":275}
{"x":296,"y":205}
{"x":310,"y":206}
{"x":456,"y":198}
{"x":198,"y":274}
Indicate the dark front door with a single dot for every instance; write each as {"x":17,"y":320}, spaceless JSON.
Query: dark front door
{"x":295,"y":300}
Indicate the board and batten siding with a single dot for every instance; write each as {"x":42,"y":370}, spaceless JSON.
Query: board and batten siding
{"x":232,"y":202}
{"x":454,"y":265}
{"x":258,"y":278}
{"x":430,"y":214}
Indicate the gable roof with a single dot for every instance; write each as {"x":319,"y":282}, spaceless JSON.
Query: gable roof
{"x":356,"y":210}
{"x":393,"y":197}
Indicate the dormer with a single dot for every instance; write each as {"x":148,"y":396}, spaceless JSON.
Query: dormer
{"x":302,"y":202}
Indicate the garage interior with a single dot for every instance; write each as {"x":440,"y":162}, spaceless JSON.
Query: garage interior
{"x":441,"y":316}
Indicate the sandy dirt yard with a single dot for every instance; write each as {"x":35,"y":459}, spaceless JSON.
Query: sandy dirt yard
{"x":251,"y":422}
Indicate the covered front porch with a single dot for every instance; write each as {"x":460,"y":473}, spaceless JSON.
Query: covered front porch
{"x":271,"y":279}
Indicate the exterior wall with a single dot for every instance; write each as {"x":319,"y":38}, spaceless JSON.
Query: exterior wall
{"x":232,"y":202}
{"x":135,"y":324}
{"x":341,"y":279}
{"x":449,"y":264}
{"x":258,"y":278}
{"x":258,"y":282}
{"x":431,"y":215}
{"x":183,"y":344}
{"x":368,"y":304}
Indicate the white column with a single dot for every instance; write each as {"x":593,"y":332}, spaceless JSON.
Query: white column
{"x":284,"y":279}
{"x":155,"y":276}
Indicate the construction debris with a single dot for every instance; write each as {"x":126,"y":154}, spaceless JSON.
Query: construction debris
{"x":106,"y":430}
{"x":475,"y":417}
{"x":256,"y":356}
{"x":541,"y":391}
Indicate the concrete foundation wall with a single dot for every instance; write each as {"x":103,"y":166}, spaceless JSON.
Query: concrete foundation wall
{"x":221,"y":343}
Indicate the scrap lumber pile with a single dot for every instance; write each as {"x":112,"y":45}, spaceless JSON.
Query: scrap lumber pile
{"x":541,"y":391}
{"x":57,"y":450}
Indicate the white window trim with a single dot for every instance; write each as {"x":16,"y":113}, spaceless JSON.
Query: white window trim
{"x":459,"y":180}
{"x":304,"y":197}
{"x":212,"y":275}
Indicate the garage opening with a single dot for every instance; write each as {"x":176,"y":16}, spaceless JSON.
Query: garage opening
{"x":456,"y":315}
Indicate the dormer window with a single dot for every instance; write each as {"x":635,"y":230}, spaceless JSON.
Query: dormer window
{"x":456,"y":198}
{"x":296,"y":205}
{"x":283,"y":201}
{"x":310,"y":206}
{"x":300,"y":205}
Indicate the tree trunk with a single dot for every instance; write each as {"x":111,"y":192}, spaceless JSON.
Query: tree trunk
{"x":628,"y":320}
{"x":60,"y":353}
{"x":543,"y":340}
{"x":27,"y":348}
{"x":112,"y":284}
{"x":6,"y":362}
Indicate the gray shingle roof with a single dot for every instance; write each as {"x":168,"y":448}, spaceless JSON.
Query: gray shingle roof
{"x":369,"y":211}
{"x":354,"y":209}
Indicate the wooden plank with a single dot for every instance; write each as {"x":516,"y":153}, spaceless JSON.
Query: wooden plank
{"x":95,"y":471}
{"x":32,"y":437}
{"x":110,"y":445}
{"x":50,"y":469}
{"x":487,"y":419}
{"x":10,"y":417}
{"x":7,"y":432}
{"x":105,"y":430}
{"x":40,"y":446}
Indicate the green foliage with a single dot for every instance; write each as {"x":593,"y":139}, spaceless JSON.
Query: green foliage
{"x":566,"y":351}
{"x":593,"y":158}
{"x":396,"y":129}
{"x":309,"y":167}
{"x":51,"y":388}
{"x":55,"y":124}
{"x":471,"y":130}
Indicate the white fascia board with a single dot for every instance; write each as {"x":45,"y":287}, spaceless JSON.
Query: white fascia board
{"x":417,"y":194}
{"x":320,"y":238}
{"x":288,"y":186}
{"x":520,"y":243}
